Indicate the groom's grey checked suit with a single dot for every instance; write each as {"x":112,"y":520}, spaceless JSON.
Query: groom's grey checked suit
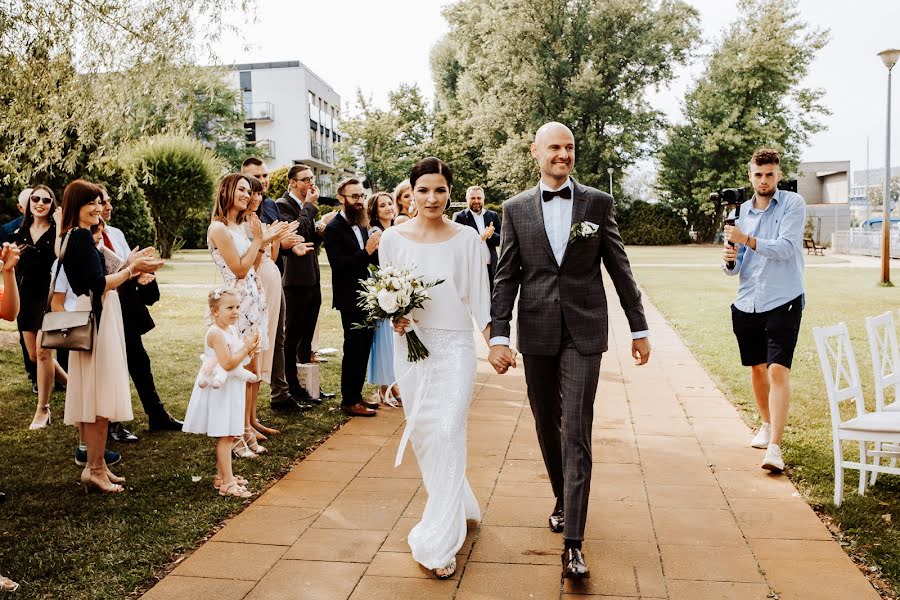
{"x":562,"y":327}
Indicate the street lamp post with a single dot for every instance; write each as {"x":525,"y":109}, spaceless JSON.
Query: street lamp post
{"x":889,"y":58}
{"x":610,"y":171}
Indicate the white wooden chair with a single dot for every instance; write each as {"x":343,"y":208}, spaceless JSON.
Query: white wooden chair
{"x":885,"y":373}
{"x":841,"y":376}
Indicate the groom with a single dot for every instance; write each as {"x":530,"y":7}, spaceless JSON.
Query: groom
{"x":562,"y":318}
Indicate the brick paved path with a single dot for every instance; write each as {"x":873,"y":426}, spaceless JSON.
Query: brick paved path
{"x":679,"y":507}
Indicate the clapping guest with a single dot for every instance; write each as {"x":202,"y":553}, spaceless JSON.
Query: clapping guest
{"x":350,"y":251}
{"x":486,"y":223}
{"x":269,"y":278}
{"x":406,"y":204}
{"x":135,"y":296}
{"x":238,"y":257}
{"x":6,"y":232}
{"x":98,"y":389}
{"x":9,"y":309}
{"x":35,"y":239}
{"x":381,"y":358}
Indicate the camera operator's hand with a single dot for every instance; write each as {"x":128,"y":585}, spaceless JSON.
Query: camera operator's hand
{"x":734,"y":234}
{"x":640,"y":350}
{"x":729,"y":254}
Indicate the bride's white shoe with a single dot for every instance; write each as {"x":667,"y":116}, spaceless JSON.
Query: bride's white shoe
{"x":445,"y":572}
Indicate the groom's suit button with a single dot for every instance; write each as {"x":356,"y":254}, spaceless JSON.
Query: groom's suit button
{"x":556,"y":301}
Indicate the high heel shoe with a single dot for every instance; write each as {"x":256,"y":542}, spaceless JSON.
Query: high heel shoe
{"x":250,"y":441}
{"x":35,"y":424}
{"x":89,"y":479}
{"x":241,"y":450}
{"x":257,"y":434}
{"x":259,"y":427}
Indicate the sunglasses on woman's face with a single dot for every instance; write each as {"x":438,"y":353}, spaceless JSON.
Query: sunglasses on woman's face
{"x":42,"y":199}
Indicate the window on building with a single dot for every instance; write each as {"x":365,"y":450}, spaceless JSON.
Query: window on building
{"x":312,"y":98}
{"x":246,"y":84}
{"x":250,"y":131}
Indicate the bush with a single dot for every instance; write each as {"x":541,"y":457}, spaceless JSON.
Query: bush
{"x":645,"y":224}
{"x":178,"y":176}
{"x":130,"y":211}
{"x":278,"y":182}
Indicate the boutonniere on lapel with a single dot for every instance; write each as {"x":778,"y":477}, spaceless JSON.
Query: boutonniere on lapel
{"x":584,"y":230}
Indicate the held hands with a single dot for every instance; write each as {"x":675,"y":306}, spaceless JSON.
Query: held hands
{"x":640,"y":350}
{"x":502,"y":358}
{"x":9,"y":256}
{"x":374,"y":241}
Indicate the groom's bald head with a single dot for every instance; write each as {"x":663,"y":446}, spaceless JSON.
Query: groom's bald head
{"x":554,"y":151}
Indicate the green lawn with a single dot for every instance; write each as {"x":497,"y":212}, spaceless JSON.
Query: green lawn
{"x":59,"y":543}
{"x":696,"y":302}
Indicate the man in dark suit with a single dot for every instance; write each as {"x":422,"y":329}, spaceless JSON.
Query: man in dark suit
{"x":555,"y":237}
{"x":350,"y":251}
{"x":281,"y":398}
{"x":301,"y":281}
{"x":486,"y":222}
{"x":135,"y":295}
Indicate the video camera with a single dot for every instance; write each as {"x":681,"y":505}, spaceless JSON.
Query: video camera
{"x":726,"y":198}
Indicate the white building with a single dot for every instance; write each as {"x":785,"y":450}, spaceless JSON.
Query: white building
{"x":293,"y":115}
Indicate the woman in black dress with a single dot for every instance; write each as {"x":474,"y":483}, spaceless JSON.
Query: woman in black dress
{"x":35,"y":239}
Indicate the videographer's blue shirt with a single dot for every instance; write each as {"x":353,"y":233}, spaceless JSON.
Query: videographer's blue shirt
{"x":772,"y":274}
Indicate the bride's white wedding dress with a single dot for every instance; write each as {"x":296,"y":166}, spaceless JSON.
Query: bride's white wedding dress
{"x":438,"y":390}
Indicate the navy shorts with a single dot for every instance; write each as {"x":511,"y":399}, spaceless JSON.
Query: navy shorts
{"x":768,"y":337}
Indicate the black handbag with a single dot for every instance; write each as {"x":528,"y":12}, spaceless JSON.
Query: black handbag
{"x":67,"y":330}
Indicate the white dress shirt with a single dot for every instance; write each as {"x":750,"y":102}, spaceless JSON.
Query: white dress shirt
{"x":118,"y":241}
{"x":356,"y":230}
{"x":479,"y":224}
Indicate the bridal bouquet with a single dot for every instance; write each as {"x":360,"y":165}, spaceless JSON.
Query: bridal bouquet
{"x":392,"y":293}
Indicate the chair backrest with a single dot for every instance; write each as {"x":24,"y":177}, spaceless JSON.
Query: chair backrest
{"x":838,"y":369}
{"x":885,"y":356}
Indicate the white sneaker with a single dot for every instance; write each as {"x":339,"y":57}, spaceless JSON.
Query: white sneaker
{"x":773,"y":460}
{"x":761,"y":439}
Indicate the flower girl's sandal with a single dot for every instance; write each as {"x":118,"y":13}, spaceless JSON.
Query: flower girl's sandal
{"x":445,"y":572}
{"x":7,"y":584}
{"x":234,"y":490}
{"x":217,"y":481}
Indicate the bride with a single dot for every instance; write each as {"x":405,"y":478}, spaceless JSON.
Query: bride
{"x":437,"y":391}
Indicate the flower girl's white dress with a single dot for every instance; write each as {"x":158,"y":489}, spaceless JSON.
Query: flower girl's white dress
{"x":438,"y":390}
{"x":218,"y":412}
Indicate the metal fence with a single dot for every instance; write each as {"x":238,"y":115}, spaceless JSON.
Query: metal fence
{"x":864,"y":243}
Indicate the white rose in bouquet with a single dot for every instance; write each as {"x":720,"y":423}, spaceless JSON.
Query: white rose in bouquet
{"x":387,"y":300}
{"x":404,"y":296}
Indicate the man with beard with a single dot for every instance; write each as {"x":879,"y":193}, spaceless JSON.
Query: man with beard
{"x":351,"y":249}
{"x":486,"y":223}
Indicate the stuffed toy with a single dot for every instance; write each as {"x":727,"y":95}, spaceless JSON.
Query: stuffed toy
{"x":213,"y":375}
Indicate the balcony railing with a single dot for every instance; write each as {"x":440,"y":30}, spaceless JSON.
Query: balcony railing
{"x":267,"y":147}
{"x":320,"y":152}
{"x":259,"y":111}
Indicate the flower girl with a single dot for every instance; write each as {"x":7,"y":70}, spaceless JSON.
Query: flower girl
{"x":219,"y":412}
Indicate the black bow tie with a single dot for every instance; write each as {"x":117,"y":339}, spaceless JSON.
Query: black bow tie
{"x":566,"y":193}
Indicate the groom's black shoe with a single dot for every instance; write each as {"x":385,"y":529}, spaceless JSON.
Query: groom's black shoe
{"x":557,"y":520}
{"x":573,"y":564}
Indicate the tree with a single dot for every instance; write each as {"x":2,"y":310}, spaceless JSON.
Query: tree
{"x":80,"y":79}
{"x":384,"y":144}
{"x":178,"y":176}
{"x":508,"y":66}
{"x":749,"y":96}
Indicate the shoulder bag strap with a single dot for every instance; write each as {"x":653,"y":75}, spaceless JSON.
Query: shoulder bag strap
{"x":59,"y":264}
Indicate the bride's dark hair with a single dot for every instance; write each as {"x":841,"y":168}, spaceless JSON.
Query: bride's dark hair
{"x":430,"y":165}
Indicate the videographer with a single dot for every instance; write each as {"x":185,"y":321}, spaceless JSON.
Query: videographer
{"x":766,"y":315}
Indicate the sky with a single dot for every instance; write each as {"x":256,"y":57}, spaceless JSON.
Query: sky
{"x":375,"y":46}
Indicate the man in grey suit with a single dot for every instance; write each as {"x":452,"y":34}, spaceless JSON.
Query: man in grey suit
{"x":554,"y":238}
